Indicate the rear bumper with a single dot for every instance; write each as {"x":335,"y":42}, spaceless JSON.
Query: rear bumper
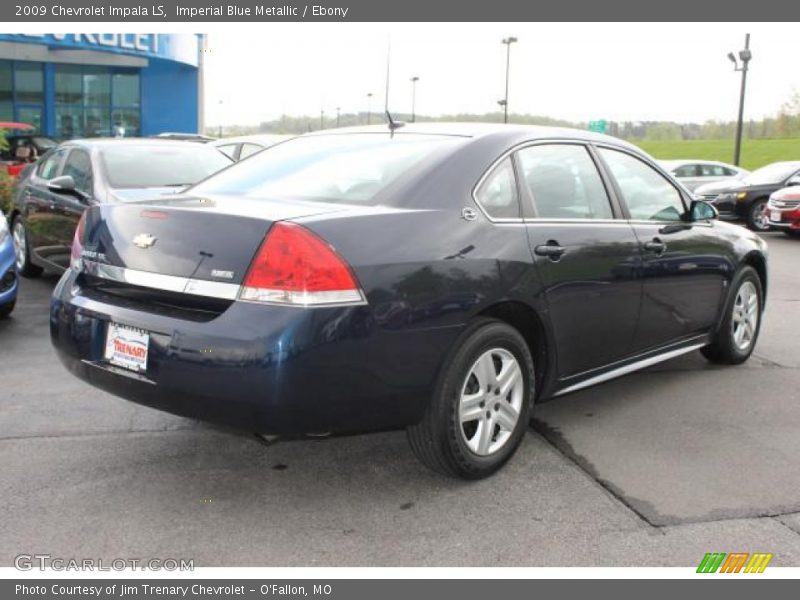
{"x":9,"y":283}
{"x":270,"y":369}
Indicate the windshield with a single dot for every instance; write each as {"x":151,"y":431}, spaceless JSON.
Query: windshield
{"x":160,"y":165}
{"x":348,"y":168}
{"x":775,"y":173}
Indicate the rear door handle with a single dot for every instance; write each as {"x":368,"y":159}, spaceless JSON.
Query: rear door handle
{"x":656,"y":246}
{"x":551,"y":250}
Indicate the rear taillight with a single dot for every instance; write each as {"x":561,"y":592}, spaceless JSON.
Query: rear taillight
{"x":294,"y":266}
{"x":77,"y":244}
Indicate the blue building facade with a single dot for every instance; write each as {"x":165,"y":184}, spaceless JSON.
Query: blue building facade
{"x":90,"y":85}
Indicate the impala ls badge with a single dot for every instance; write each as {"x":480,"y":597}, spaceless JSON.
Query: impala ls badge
{"x":144,"y":240}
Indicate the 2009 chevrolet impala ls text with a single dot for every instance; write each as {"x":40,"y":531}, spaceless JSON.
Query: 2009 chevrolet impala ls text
{"x":439,"y":278}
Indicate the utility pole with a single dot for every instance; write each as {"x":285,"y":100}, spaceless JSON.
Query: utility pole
{"x":414,"y":81}
{"x":744,"y":56}
{"x":507,"y":41}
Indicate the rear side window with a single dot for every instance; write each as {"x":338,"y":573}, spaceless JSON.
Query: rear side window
{"x":713,"y":171}
{"x":228,"y":150}
{"x":564,"y":182}
{"x":249,"y":150}
{"x":497,"y":194}
{"x":647,"y":193}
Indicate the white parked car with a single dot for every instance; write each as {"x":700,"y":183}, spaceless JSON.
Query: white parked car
{"x":243,"y":146}
{"x":694,"y":173}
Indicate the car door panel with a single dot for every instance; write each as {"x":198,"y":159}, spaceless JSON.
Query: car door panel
{"x":587,"y":260}
{"x":682,"y":272}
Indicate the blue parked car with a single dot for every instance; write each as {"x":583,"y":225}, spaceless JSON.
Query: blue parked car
{"x":8,"y":271}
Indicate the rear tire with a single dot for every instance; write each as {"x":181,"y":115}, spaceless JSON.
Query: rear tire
{"x":481,"y":406}
{"x":757,"y":215}
{"x":23,"y":251}
{"x":7,"y":309}
{"x":741,"y":322}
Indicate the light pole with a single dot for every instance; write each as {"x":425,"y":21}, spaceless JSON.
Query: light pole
{"x":322,"y":118}
{"x":369,"y":108}
{"x":337,"y":117}
{"x":745,"y":56}
{"x":414,"y":81}
{"x":219,"y":133}
{"x":507,"y":41}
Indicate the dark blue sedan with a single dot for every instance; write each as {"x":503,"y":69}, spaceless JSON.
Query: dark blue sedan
{"x":438,"y":278}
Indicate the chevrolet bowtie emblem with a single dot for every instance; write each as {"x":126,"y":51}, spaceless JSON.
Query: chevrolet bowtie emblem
{"x":144,"y":240}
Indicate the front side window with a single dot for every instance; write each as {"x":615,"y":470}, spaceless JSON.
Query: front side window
{"x":687,"y":171}
{"x":564,"y":182}
{"x":48,"y":168}
{"x":79,"y":167}
{"x":712,"y":171}
{"x":647,"y":193}
{"x":498,"y":192}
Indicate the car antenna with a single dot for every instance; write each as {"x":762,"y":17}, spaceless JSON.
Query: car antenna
{"x":393,"y":125}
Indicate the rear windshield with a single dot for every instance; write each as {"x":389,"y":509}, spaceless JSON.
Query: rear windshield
{"x":339,"y":168}
{"x":156,"y":165}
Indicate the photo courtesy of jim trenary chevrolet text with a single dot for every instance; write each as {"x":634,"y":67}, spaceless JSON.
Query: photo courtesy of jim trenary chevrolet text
{"x":362,"y":299}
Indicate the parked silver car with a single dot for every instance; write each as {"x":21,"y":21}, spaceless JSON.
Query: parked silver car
{"x":693,"y":173}
{"x":243,"y":146}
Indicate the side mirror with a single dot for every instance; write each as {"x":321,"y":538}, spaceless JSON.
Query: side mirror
{"x":700,"y":210}
{"x":793,"y":180}
{"x":64,"y":184}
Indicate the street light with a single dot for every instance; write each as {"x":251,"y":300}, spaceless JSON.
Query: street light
{"x":507,"y":41}
{"x":414,"y":81}
{"x":369,"y":108}
{"x":337,"y":117}
{"x":322,"y":118}
{"x":744,"y":56}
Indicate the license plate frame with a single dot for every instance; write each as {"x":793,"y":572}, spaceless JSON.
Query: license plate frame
{"x":127,"y":347}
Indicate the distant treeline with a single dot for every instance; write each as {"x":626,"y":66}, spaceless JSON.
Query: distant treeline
{"x":786,"y":124}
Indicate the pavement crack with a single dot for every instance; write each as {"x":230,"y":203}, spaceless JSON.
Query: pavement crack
{"x":553,"y":437}
{"x":779,"y":518}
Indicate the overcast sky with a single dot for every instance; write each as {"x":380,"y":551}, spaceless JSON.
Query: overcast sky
{"x":674,"y":72}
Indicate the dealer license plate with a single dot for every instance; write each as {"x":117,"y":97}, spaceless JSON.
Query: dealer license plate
{"x":127,"y":347}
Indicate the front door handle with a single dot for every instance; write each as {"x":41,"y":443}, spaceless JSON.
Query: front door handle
{"x":656,"y":246}
{"x":551,"y":250}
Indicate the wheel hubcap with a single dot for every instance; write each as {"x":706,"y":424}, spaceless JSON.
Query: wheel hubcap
{"x":20,"y":244}
{"x":491,"y":401}
{"x":745,"y":316}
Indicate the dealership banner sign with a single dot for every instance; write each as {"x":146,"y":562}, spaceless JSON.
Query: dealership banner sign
{"x":407,"y":10}
{"x":397,"y":589}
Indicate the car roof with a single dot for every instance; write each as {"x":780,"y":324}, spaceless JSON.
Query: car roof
{"x":258,"y":138}
{"x":479,"y":130}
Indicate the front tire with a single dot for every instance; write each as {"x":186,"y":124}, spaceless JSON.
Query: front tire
{"x":23,"y":251}
{"x":741,"y":322}
{"x":6,"y":309}
{"x":757,"y":215}
{"x":480,"y":410}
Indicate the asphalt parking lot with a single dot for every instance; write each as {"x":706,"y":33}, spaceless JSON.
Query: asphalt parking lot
{"x":654,"y":469}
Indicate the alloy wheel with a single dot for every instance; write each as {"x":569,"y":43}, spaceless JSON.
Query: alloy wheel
{"x":20,"y":244}
{"x":744,"y":322}
{"x":760,"y":220}
{"x":490,"y":402}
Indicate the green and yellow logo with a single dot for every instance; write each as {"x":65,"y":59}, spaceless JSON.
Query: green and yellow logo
{"x":736,"y":562}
